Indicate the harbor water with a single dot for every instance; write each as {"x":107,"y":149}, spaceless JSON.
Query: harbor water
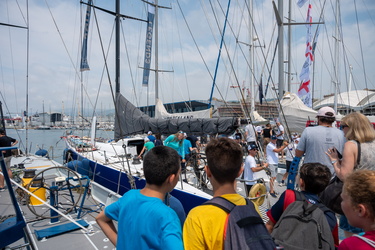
{"x":50,"y":140}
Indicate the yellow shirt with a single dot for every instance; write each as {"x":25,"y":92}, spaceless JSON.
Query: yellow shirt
{"x":204,"y":225}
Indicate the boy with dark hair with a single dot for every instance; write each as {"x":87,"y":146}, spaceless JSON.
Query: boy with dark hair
{"x":144,"y":221}
{"x":314,"y":178}
{"x":205,"y":224}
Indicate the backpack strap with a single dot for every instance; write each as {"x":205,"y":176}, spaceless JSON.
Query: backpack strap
{"x":222,"y":203}
{"x":299,"y":196}
{"x":367,"y":240}
{"x":228,"y":206}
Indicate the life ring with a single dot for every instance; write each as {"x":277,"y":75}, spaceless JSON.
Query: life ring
{"x":257,"y":193}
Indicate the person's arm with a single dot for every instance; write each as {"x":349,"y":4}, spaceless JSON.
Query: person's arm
{"x":259,"y":167}
{"x":181,"y":149}
{"x":278,"y":150}
{"x":345,"y":166}
{"x":143,"y":150}
{"x":299,"y":153}
{"x":108,"y":227}
{"x":14,"y":143}
{"x":269,"y":226}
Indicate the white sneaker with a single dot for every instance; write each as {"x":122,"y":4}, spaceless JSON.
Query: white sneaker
{"x":281,"y":184}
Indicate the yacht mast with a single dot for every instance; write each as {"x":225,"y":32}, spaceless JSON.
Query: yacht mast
{"x":156,"y":52}
{"x":281,"y":49}
{"x":336,"y":65}
{"x":117,"y":21}
{"x":289,"y":45}
{"x":252,"y":39}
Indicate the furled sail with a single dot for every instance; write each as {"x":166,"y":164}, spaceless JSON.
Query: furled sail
{"x":130,"y":120}
{"x":161,"y":113}
{"x":295,"y":113}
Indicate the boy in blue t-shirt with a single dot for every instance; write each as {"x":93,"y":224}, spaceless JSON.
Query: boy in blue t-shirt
{"x":144,"y":221}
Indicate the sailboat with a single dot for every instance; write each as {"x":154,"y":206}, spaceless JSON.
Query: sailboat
{"x":113,"y":166}
{"x":37,"y":210}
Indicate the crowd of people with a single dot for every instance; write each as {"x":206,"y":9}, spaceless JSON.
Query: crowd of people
{"x":326,"y":151}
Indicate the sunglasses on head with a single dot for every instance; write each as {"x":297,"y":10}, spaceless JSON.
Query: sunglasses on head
{"x":343,"y":125}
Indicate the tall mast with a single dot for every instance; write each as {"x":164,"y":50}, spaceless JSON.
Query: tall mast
{"x":252,"y":39}
{"x":336,"y":65}
{"x":117,"y":20}
{"x":281,"y":50}
{"x":289,"y":45}
{"x":156,"y":52}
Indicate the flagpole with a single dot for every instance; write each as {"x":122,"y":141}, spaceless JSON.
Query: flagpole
{"x":289,"y":44}
{"x":281,"y":49}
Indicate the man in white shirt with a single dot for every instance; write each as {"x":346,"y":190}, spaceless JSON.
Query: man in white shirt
{"x":251,"y":167}
{"x":250,"y":134}
{"x":273,"y":161}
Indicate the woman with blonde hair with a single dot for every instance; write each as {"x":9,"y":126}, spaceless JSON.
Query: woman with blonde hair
{"x":360,"y":134}
{"x":358,"y":154}
{"x":358,"y":204}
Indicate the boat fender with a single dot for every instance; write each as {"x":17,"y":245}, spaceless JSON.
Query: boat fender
{"x":85,"y":169}
{"x":258,"y":191}
{"x":42,"y":152}
{"x":74,"y":165}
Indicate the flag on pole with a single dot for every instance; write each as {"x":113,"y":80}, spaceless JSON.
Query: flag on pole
{"x":148,"y":46}
{"x":261,"y":91}
{"x":84,"y":63}
{"x":300,"y":3}
{"x":304,"y":91}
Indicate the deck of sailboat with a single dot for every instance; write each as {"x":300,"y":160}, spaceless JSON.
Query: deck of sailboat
{"x":42,"y":233}
{"x":77,"y":239}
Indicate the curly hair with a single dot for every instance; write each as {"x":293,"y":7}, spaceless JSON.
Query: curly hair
{"x":360,"y":186}
{"x":359,"y":127}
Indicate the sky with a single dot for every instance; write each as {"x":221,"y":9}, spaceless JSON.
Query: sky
{"x":189,"y":42}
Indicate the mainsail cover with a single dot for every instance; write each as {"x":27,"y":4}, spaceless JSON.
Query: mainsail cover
{"x":130,"y":120}
{"x":295,"y":112}
{"x":162,"y":113}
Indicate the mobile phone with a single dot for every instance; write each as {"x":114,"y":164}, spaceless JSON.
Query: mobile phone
{"x":338,"y":153}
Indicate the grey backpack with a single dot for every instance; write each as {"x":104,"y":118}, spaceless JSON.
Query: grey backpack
{"x":303,"y":225}
{"x":244,"y":228}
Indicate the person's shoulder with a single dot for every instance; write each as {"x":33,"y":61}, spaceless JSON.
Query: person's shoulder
{"x":205,"y":211}
{"x":353,"y":242}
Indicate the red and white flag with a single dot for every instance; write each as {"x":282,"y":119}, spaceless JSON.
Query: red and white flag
{"x":304,"y":90}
